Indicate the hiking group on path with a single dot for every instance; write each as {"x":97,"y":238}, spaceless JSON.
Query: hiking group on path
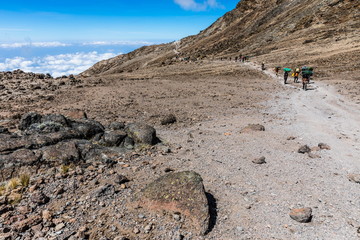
{"x":306,"y":73}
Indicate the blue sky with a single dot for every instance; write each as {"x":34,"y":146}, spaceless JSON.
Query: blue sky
{"x":38,"y":28}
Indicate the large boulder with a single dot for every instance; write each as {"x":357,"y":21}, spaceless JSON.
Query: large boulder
{"x":181,"y":192}
{"x":141,"y":133}
{"x":61,"y":153}
{"x":28,"y":119}
{"x":88,"y":128}
{"x":22,"y":160}
{"x":113,"y":138}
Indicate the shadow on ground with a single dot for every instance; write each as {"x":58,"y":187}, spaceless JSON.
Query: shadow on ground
{"x":212,"y":212}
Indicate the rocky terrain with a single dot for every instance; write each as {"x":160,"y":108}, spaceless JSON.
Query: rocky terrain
{"x":190,"y":144}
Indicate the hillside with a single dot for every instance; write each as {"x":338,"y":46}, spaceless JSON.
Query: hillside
{"x":322,"y":33}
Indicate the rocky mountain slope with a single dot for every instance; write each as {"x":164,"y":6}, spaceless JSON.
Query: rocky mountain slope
{"x":322,"y":33}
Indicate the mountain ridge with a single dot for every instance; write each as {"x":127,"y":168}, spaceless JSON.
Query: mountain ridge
{"x":292,"y":31}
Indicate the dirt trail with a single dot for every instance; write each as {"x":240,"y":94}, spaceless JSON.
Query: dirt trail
{"x":254,"y":201}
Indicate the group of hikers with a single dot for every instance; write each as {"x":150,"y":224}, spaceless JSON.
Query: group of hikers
{"x":306,"y":73}
{"x":240,"y":58}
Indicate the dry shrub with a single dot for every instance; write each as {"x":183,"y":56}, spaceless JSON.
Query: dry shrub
{"x":13,"y":183}
{"x":24,"y":180}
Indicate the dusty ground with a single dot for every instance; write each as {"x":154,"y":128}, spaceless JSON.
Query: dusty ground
{"x":213,"y":101}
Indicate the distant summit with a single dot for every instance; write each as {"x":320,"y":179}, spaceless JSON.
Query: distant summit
{"x":322,"y":33}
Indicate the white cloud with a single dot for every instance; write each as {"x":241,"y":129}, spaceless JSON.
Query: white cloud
{"x":103,"y":43}
{"x":56,"y":65}
{"x":34,"y":44}
{"x":195,"y":6}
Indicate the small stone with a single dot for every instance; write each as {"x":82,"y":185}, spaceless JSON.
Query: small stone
{"x":136,"y":230}
{"x":123,"y":186}
{"x":354,"y":178}
{"x":304,"y":149}
{"x":324,"y":146}
{"x":46,"y":215}
{"x":120,"y":238}
{"x":169,"y":119}
{"x":260,"y":160}
{"x":148,"y":228}
{"x":253,"y":128}
{"x":177,"y":217}
{"x":168,"y":170}
{"x":59,"y":226}
{"x":39,"y":198}
{"x":120,"y":179}
{"x":302,"y":215}
{"x":312,"y":155}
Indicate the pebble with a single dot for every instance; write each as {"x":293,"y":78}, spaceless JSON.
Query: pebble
{"x":260,"y":160}
{"x":59,"y":227}
{"x":136,"y":230}
{"x":148,"y":228}
{"x":177,"y":217}
{"x":302,"y":215}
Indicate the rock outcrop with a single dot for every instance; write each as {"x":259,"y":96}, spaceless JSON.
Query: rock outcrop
{"x":54,"y":140}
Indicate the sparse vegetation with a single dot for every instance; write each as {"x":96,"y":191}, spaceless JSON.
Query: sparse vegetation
{"x":13,"y":183}
{"x":66,"y":168}
{"x":24,"y":180}
{"x":2,"y":189}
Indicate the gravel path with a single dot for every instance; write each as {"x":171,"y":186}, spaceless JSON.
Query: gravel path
{"x":253,"y":200}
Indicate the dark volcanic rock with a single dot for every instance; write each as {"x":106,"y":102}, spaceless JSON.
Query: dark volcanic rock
{"x":4,"y":130}
{"x":169,"y":119}
{"x":12,"y":142}
{"x":114,"y":138}
{"x":28,"y":119}
{"x":61,"y":153}
{"x":117,"y":125}
{"x":88,"y":128}
{"x":304,"y":149}
{"x":302,"y":215}
{"x":58,"y":118}
{"x":20,"y":160}
{"x":260,"y":160}
{"x":39,"y":198}
{"x":178,"y":192}
{"x":324,"y":146}
{"x":44,"y":127}
{"x":141,"y":133}
{"x":120,"y":179}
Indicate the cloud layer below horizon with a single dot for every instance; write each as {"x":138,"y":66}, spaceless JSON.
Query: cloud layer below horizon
{"x":56,"y":65}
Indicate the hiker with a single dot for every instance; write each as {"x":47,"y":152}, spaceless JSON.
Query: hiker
{"x":286,"y":74}
{"x":306,"y":73}
{"x":277,"y":70}
{"x":296,"y":75}
{"x":263,"y":66}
